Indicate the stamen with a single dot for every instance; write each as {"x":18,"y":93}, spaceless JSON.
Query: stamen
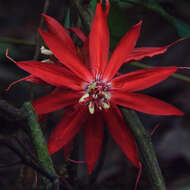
{"x":97,"y":96}
{"x":92,"y":86}
{"x":82,"y":99}
{"x":105,"y":105}
{"x":106,"y":95}
{"x":91,"y":107}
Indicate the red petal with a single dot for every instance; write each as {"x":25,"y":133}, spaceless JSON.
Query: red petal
{"x":121,"y":52}
{"x":99,"y":41}
{"x":140,"y":53}
{"x":142,"y":79}
{"x":84,"y":53}
{"x":94,"y":131}
{"x":58,"y":99}
{"x":144,"y":103}
{"x":121,"y":134}
{"x":34,"y":79}
{"x":56,"y":29}
{"x":53,"y":74}
{"x":66,"y":129}
{"x":66,"y":57}
{"x":79,"y":33}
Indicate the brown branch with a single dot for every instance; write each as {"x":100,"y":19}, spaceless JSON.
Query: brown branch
{"x":38,"y":40}
{"x":10,"y":143}
{"x":9,"y":112}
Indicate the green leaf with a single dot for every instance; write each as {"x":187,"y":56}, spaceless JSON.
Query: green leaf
{"x":67,"y":19}
{"x":183,"y":29}
{"x":117,"y":23}
{"x":93,"y":4}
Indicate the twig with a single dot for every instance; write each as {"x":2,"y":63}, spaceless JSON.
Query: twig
{"x":21,"y":115}
{"x":38,"y":139}
{"x":39,"y":142}
{"x":38,"y":42}
{"x":26,"y":160}
{"x":10,"y":112}
{"x":146,"y":149}
{"x":56,"y":182}
{"x":16,"y":41}
{"x":27,"y":150}
{"x":10,"y":165}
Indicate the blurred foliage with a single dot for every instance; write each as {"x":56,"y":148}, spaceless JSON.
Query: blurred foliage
{"x":67,"y":19}
{"x":117,"y":23}
{"x":93,"y":5}
{"x":182,"y":28}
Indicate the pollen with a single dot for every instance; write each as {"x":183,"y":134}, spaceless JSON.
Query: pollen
{"x":96,"y":96}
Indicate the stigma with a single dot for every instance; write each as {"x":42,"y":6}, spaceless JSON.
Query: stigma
{"x":96,"y":96}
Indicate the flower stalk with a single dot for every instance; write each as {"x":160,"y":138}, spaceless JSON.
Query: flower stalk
{"x":38,"y":139}
{"x":146,"y":149}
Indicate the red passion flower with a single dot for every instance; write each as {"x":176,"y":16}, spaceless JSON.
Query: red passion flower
{"x":89,"y":87}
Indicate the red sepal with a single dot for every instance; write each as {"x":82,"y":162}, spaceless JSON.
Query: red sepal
{"x":93,"y":131}
{"x":121,"y":133}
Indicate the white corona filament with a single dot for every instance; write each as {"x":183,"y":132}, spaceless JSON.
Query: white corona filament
{"x":45,"y":51}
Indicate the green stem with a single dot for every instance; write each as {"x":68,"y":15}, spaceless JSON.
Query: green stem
{"x":38,"y":139}
{"x":16,"y":41}
{"x":175,"y":75}
{"x":146,"y":149}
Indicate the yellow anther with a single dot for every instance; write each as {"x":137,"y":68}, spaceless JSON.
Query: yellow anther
{"x":82,"y":99}
{"x":106,"y":95}
{"x":105,"y":105}
{"x":92,"y":86}
{"x":45,"y":51}
{"x":91,"y":108}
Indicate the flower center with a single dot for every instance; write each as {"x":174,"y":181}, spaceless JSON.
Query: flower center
{"x":97,"y":96}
